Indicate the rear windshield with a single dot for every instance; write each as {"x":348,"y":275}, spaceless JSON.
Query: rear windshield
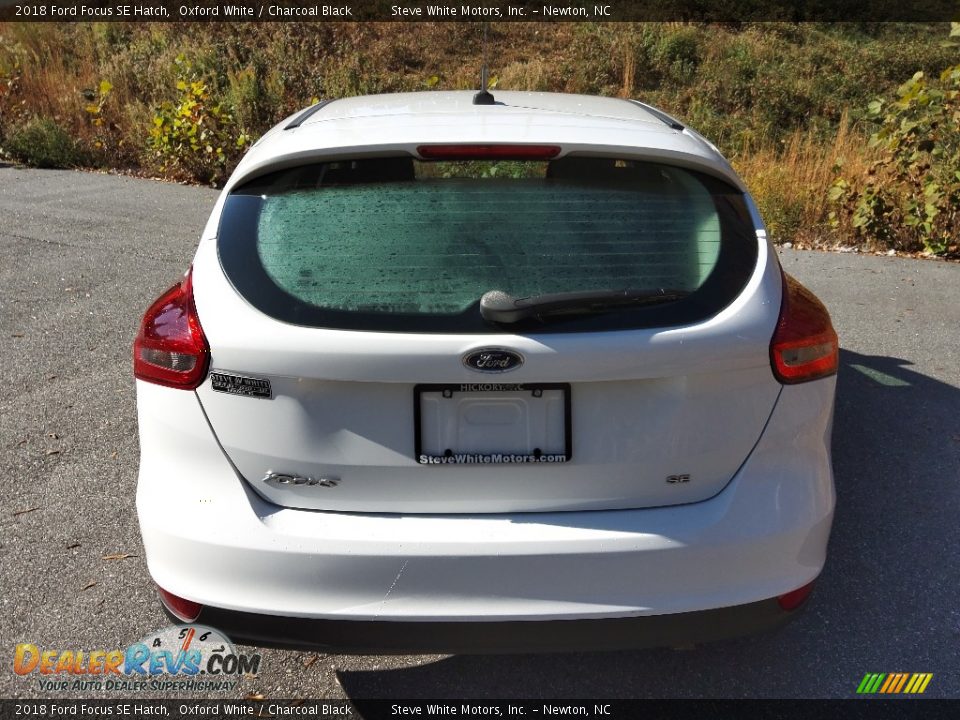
{"x":399,"y":244}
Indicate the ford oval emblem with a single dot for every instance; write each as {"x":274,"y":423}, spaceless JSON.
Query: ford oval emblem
{"x":493,"y":360}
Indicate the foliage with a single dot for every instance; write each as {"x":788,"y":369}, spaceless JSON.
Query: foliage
{"x":95,"y":107}
{"x":910,"y":198}
{"x":195,"y":133}
{"x":43,"y":143}
{"x":253,"y":94}
{"x":9,"y":76}
{"x":97,"y":99}
{"x":772,"y":96}
{"x":788,"y":181}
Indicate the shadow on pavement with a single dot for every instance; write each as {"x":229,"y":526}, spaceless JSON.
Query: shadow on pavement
{"x":883,"y":603}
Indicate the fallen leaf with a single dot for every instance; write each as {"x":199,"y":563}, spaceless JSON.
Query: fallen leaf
{"x":71,"y":546}
{"x":22,"y":442}
{"x":113,"y":455}
{"x":310,"y":661}
{"x":24,"y":512}
{"x":53,"y":452}
{"x":255,"y":696}
{"x":88,"y":585}
{"x":118,"y":556}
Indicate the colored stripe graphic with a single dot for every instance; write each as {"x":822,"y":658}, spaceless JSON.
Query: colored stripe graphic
{"x":901,"y":682}
{"x":886,"y":685}
{"x":867,"y":683}
{"x":891,"y":683}
{"x":894,"y":683}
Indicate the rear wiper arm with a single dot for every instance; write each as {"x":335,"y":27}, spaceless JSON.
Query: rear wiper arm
{"x":500,"y":307}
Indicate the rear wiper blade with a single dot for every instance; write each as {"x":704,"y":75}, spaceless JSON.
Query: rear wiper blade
{"x":500,"y":307}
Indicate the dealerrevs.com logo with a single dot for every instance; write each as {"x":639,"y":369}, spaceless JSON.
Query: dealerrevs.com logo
{"x":176,"y":659}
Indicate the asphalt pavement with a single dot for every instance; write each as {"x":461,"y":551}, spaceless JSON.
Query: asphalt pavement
{"x":82,"y":255}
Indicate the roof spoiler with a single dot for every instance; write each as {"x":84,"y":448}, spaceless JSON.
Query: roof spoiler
{"x":302,"y":117}
{"x":660,"y":115}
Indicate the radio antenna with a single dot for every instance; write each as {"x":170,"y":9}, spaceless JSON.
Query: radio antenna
{"x":484,"y":97}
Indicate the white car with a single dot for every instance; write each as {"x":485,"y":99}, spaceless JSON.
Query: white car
{"x":454,"y":376}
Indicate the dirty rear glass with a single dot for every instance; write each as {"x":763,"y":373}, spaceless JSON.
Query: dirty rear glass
{"x":407,"y":245}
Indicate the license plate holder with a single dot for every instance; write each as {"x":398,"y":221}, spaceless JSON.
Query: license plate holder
{"x":492,"y":423}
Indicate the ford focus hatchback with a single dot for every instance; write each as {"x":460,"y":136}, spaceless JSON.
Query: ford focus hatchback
{"x":447,"y":376}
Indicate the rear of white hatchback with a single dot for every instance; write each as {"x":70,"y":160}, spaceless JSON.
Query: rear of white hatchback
{"x":452,"y":377}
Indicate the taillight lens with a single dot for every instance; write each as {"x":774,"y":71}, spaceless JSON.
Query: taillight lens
{"x":804,"y":345}
{"x":488,"y":152}
{"x":183,"y":609}
{"x":795,"y":598}
{"x":170,"y":348}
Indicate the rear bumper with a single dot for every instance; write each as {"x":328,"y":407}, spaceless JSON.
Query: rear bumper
{"x":277,"y":575}
{"x":373,"y":637}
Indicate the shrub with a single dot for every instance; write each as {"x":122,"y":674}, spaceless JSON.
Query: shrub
{"x":253,"y":99}
{"x":41,"y":142}
{"x":910,"y":197}
{"x":101,"y":128}
{"x":679,"y":53}
{"x":195,"y":134}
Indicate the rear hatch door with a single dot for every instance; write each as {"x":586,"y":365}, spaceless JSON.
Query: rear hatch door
{"x":353,"y":368}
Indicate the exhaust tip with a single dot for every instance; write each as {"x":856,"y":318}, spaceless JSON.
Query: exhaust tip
{"x":795,"y":598}
{"x":181,"y":608}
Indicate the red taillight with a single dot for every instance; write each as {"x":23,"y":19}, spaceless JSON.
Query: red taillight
{"x":804,"y":345}
{"x":182,"y":609}
{"x":795,"y":598}
{"x":488,"y":152}
{"x":170,"y":348}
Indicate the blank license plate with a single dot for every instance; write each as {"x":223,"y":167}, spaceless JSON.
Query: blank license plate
{"x":492,"y":423}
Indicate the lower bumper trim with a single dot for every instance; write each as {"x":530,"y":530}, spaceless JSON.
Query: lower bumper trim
{"x":533,"y":636}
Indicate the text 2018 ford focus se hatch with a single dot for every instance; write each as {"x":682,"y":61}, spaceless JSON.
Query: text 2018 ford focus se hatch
{"x":447,"y":376}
